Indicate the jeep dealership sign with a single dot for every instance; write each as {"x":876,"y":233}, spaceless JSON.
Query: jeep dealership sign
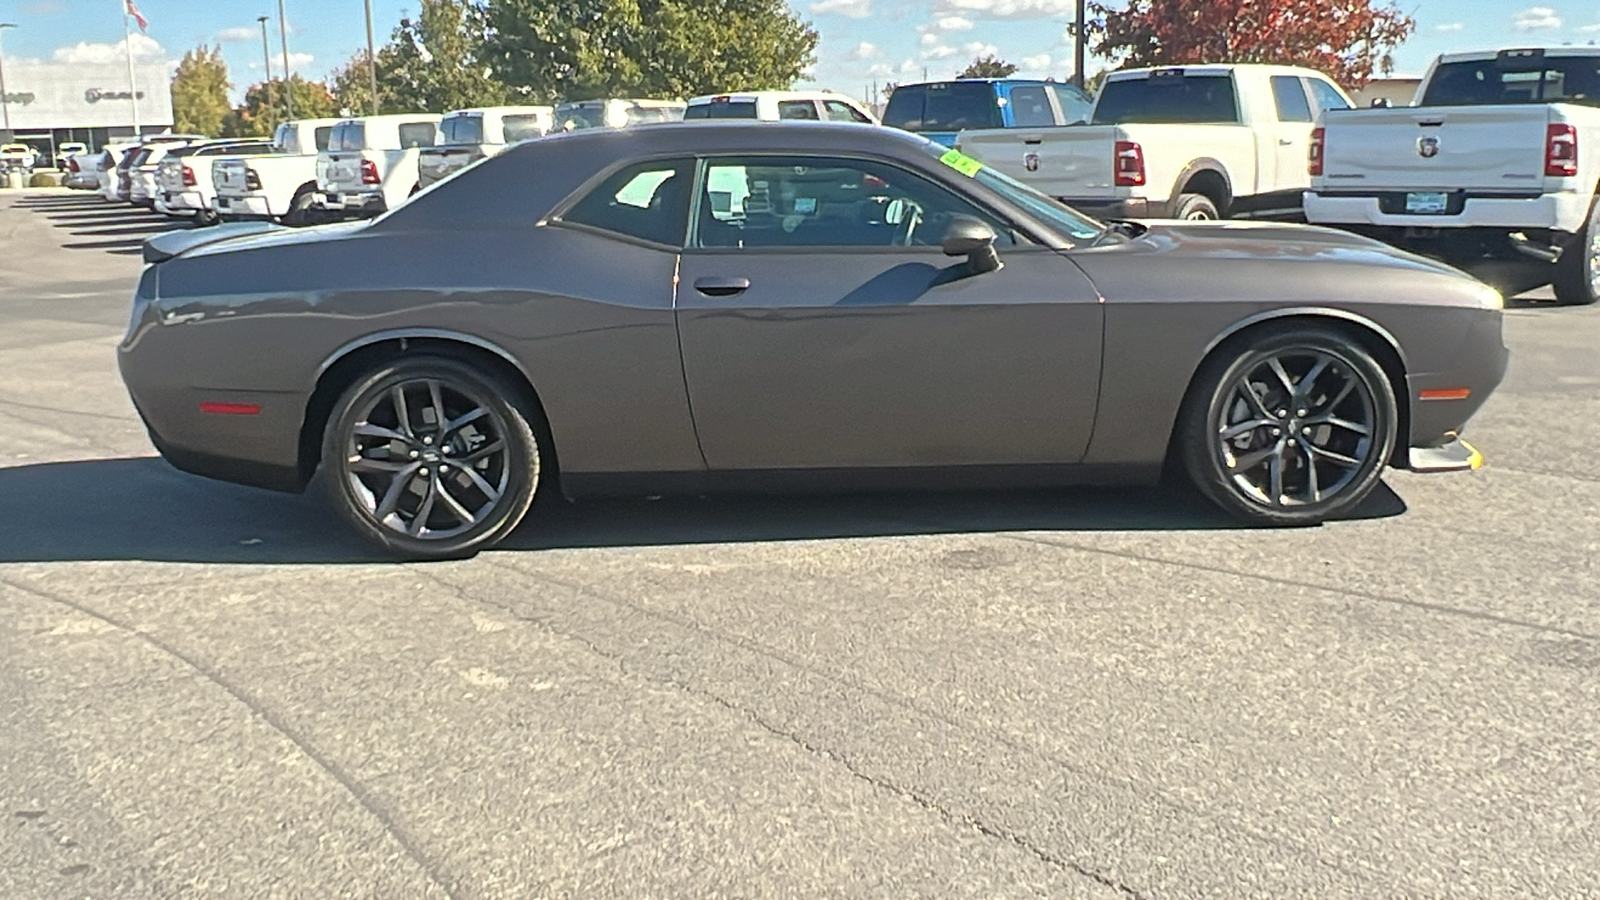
{"x":55,"y":95}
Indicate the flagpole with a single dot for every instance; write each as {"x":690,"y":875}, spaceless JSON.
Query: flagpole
{"x":133,"y":88}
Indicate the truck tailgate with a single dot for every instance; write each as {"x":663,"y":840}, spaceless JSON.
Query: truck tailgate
{"x":1484,"y":148}
{"x":1070,"y":161}
{"x":230,"y":177}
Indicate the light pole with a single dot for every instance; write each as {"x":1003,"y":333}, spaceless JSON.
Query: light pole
{"x":5,"y":102}
{"x":266,"y":62}
{"x":283,"y":34}
{"x":372,"y":60}
{"x":1080,"y":37}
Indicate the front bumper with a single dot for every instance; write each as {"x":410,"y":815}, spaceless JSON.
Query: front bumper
{"x":1456,"y":456}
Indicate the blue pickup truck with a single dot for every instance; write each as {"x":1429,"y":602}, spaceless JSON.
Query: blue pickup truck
{"x":940,"y":110}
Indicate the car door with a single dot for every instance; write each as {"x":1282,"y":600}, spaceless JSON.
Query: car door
{"x":823,"y":327}
{"x":1293,"y":131}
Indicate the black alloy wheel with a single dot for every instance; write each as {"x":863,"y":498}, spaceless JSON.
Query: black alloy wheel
{"x":430,"y":459}
{"x":1292,"y":429}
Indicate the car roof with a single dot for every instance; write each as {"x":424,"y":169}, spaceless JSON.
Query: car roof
{"x":776,"y":95}
{"x":1213,"y":69}
{"x":1485,"y":55}
{"x":500,"y":110}
{"x":393,"y":118}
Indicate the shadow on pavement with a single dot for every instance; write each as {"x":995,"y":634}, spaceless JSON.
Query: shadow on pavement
{"x":142,"y":509}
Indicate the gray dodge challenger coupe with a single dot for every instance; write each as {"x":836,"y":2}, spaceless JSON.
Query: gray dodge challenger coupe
{"x":790,"y":306}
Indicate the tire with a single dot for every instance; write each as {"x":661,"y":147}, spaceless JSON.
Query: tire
{"x":1349,"y":393}
{"x":397,"y":479}
{"x":300,"y":213}
{"x":1196,"y":208}
{"x":1577,"y":280}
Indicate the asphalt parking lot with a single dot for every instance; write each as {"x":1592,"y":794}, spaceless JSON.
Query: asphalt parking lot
{"x":209,"y":690}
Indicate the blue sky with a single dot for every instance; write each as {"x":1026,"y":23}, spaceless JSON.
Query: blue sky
{"x":862,"y":40}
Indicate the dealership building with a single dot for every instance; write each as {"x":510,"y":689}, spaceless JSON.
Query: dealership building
{"x":50,"y":103}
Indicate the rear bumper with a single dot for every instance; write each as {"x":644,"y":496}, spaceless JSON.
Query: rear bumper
{"x":254,"y":206}
{"x":352,"y":203}
{"x":1561,"y":212}
{"x":184,"y":201}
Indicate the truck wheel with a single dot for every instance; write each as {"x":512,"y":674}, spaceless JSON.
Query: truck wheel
{"x":299,"y":214}
{"x":1577,"y":280}
{"x":1196,"y":208}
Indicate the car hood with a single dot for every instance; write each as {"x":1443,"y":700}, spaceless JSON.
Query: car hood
{"x":1267,"y":241}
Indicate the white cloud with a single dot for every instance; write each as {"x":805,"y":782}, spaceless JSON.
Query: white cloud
{"x":865,"y":50}
{"x":929,"y":39}
{"x":1007,"y":9}
{"x":1590,"y":29}
{"x":235,"y":35}
{"x":881,"y":70}
{"x":952,"y":23}
{"x":1536,"y":18}
{"x":1453,"y":26}
{"x":300,"y":61}
{"x":1035,"y":63}
{"x":979,"y":48}
{"x":145,"y":50}
{"x":940,"y":51}
{"x":854,"y":9}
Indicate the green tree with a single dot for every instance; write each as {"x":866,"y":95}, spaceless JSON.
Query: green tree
{"x":200,"y":91}
{"x":352,"y":84}
{"x":989,"y":66}
{"x":263,"y":108}
{"x":434,"y":61}
{"x":548,"y":50}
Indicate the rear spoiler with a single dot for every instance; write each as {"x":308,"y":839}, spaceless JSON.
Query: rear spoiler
{"x":163,"y":247}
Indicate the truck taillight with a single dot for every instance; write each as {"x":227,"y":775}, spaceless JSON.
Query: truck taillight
{"x":1561,"y":152}
{"x":1129,"y":164}
{"x":72,"y":163}
{"x":188,"y":177}
{"x":369,"y":172}
{"x":252,"y":181}
{"x":1319,"y":139}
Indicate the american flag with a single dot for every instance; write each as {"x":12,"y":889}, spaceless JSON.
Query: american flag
{"x":144,"y":25}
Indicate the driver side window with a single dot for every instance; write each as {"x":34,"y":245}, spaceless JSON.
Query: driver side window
{"x":795,"y":201}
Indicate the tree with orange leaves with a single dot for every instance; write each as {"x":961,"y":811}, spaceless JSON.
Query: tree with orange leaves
{"x":1347,"y":39}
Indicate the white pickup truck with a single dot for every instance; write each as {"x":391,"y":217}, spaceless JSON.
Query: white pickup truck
{"x":278,"y":186}
{"x":1500,"y":160}
{"x":370,"y":165}
{"x":1189,"y":142}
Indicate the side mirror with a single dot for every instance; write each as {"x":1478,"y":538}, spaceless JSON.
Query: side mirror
{"x":974,"y":239}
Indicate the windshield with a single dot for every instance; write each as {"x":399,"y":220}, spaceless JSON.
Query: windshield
{"x":1168,"y":97}
{"x":1572,"y":79}
{"x":572,"y":116}
{"x":1062,"y":219}
{"x":943,"y":106}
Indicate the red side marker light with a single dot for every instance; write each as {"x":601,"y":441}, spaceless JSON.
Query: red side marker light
{"x":230,"y":409}
{"x":1445,"y":394}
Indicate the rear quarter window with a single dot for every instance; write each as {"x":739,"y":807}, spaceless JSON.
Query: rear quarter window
{"x":1030,"y":108}
{"x":462,"y":130}
{"x":420,"y":134}
{"x":521,"y":128}
{"x":1168,"y":99}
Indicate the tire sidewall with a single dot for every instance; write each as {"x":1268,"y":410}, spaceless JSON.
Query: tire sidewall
{"x":1203,"y":455}
{"x":524,"y":458}
{"x":1574,"y":281}
{"x":1188,"y":203}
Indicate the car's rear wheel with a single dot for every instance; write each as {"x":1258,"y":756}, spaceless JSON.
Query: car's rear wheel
{"x":301,"y":212}
{"x":1291,"y":426}
{"x":1196,"y":208}
{"x":1577,"y":280}
{"x":430,"y":459}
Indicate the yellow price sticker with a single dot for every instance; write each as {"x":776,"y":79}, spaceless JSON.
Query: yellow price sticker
{"x":961,"y":162}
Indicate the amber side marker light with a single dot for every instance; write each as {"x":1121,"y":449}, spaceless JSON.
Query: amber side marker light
{"x":1445,"y":394}
{"x":230,"y":409}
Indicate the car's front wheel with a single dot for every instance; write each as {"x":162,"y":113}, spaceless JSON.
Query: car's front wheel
{"x":1292,"y":426}
{"x":430,"y":459}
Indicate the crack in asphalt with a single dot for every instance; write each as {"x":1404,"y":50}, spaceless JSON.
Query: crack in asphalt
{"x":350,"y":783}
{"x":751,"y":716}
{"x":1133,"y":556}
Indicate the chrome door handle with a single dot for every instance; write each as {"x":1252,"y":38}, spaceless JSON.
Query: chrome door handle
{"x":721,"y":287}
{"x":1285,"y":142}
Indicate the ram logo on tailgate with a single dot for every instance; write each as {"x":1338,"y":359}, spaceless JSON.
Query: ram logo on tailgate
{"x":1427,"y":147}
